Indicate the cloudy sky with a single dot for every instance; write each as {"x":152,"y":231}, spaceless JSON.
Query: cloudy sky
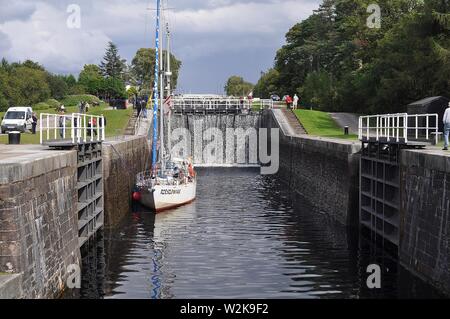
{"x":214,"y":38}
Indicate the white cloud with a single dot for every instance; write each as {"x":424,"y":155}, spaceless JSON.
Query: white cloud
{"x":45,"y":37}
{"x":17,"y":10}
{"x":235,"y":30}
{"x":244,"y":18}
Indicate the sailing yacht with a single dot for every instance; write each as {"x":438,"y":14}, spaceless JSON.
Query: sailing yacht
{"x":170,"y":182}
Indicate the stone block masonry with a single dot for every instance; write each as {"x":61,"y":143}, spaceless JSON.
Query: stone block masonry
{"x":39,"y":224}
{"x":123,"y":159}
{"x":425,"y":216}
{"x":324,"y":171}
{"x":38,"y":217}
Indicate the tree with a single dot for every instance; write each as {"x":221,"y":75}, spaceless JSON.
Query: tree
{"x":32,"y":65}
{"x":338,"y":63}
{"x":70,"y":80}
{"x":91,"y":79}
{"x":27,"y":86}
{"x":112,"y":65}
{"x":318,"y":91}
{"x":267,"y":84}
{"x":143,"y":68}
{"x":4,"y":103}
{"x":236,"y":86}
{"x":29,"y":83}
{"x":132,"y":92}
{"x":58,"y":86}
{"x":112,"y":88}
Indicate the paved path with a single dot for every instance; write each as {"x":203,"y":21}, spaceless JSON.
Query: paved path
{"x":10,"y":286}
{"x":347,"y":119}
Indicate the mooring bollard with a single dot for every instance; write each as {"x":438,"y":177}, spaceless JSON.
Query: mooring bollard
{"x":14,"y":138}
{"x":346,"y":132}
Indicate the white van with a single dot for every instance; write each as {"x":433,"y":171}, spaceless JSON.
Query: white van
{"x":17,"y":119}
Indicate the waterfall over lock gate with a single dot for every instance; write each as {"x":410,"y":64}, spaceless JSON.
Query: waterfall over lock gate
{"x":215,"y":140}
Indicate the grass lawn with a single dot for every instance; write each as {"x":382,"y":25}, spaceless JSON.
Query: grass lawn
{"x":321,"y":124}
{"x":116,"y":122}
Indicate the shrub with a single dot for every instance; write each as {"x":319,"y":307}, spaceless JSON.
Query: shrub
{"x":54,"y":104}
{"x":74,"y":100}
{"x":41,"y":106}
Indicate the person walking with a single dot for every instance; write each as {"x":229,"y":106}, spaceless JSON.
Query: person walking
{"x":138,"y":108}
{"x":288,"y":102}
{"x":296,"y":99}
{"x":446,"y":121}
{"x":144,"y":108}
{"x":34,"y":123}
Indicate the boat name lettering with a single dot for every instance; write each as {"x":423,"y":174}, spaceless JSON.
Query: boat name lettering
{"x":170,"y":191}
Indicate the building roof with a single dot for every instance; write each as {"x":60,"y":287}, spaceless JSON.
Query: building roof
{"x":428,"y":100}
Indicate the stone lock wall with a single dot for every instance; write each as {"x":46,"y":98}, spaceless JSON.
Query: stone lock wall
{"x":324,"y":171}
{"x":39,"y":222}
{"x":123,"y":159}
{"x":425,"y":216}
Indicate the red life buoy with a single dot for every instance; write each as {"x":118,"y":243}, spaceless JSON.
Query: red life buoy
{"x":137,"y":196}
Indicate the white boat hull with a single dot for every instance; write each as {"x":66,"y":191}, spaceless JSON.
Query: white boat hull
{"x":164,"y":197}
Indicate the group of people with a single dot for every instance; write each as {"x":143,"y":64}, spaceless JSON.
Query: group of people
{"x":292,"y":103}
{"x":83,"y":107}
{"x":141,"y":106}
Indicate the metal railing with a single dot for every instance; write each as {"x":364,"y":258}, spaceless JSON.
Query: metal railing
{"x":218,"y":104}
{"x":138,"y":122}
{"x":400,"y":127}
{"x":76,"y":127}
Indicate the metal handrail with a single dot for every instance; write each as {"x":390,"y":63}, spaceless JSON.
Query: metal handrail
{"x":218,"y":103}
{"x":138,"y":122}
{"x":394,"y":127}
{"x":82,"y":127}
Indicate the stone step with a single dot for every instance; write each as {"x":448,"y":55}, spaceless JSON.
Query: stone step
{"x":293,"y":121}
{"x":131,"y":124}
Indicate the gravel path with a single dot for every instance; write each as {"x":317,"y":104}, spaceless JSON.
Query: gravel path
{"x":347,"y":119}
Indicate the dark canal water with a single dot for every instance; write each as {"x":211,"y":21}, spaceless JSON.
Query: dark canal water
{"x":246,"y":236}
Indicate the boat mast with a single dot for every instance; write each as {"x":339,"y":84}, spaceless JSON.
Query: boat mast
{"x":161,"y":112}
{"x":169,"y":89}
{"x":155,"y":89}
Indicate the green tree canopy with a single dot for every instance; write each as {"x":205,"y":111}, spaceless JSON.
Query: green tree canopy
{"x":28,"y":83}
{"x":91,"y":79}
{"x":267,"y":84}
{"x":26,"y":86}
{"x":237,"y":86}
{"x":143,"y":68}
{"x":112,"y":65}
{"x":338,"y":63}
{"x":58,"y":86}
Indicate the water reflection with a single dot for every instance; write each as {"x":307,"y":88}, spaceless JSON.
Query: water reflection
{"x":246,"y":236}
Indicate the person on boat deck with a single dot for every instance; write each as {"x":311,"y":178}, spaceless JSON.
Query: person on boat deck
{"x":176,"y":172}
{"x":191,"y":170}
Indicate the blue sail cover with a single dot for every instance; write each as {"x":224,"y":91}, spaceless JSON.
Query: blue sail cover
{"x":156,"y":91}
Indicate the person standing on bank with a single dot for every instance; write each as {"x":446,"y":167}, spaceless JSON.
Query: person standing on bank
{"x":446,"y":121}
{"x":61,"y":121}
{"x":288,"y":102}
{"x":296,"y":98}
{"x":34,"y":123}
